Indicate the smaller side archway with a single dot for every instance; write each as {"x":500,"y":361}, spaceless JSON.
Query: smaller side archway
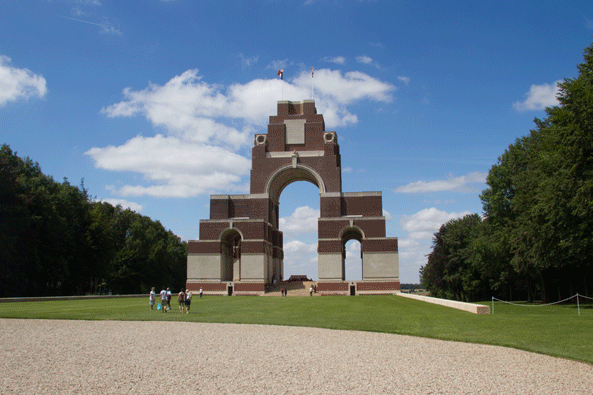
{"x":347,"y":234}
{"x":230,"y":255}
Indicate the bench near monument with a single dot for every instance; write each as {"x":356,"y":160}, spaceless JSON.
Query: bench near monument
{"x":240,"y":249}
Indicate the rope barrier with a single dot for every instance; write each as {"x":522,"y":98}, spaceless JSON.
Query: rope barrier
{"x":577,"y":296}
{"x":535,"y":305}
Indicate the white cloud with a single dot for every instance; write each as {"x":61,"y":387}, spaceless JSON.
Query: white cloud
{"x":423,"y":224}
{"x":367,"y":60}
{"x":336,"y":59}
{"x":346,"y":88}
{"x":405,"y":80}
{"x":458,"y":184}
{"x":346,"y":169}
{"x":387,"y":215}
{"x":539,"y":97}
{"x":18,"y":83}
{"x":174,"y":167}
{"x":303,"y":220}
{"x":300,"y":258}
{"x":124,"y":203}
{"x":421,"y":228}
{"x":364,"y":59}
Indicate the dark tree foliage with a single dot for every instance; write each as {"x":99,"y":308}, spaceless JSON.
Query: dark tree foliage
{"x":56,"y":240}
{"x":536,"y":240}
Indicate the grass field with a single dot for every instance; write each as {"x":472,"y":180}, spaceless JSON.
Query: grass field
{"x":555,"y":330}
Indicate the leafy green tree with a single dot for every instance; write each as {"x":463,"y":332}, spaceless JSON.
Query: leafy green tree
{"x":453,"y":269}
{"x":540,"y":197}
{"x":55,"y":240}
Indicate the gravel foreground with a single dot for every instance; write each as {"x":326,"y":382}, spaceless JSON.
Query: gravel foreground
{"x":115,"y":357}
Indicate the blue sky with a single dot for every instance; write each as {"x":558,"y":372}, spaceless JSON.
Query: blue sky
{"x":155,"y":103}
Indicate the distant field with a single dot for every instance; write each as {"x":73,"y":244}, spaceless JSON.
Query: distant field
{"x":556,"y":330}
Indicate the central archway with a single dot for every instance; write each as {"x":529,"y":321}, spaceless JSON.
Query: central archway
{"x":286,"y":175}
{"x":298,"y":209}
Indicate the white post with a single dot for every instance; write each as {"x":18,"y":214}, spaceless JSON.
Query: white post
{"x":578,"y":304}
{"x":493,"y":305}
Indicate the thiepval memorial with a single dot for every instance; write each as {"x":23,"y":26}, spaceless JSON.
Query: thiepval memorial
{"x":240,"y":250}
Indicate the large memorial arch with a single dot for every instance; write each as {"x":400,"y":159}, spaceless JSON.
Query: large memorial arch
{"x":240,"y":250}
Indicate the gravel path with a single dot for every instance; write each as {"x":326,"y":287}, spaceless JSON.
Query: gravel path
{"x":113,"y":357}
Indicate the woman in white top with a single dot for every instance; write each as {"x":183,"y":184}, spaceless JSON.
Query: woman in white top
{"x":187,"y":300}
{"x":151,"y":298}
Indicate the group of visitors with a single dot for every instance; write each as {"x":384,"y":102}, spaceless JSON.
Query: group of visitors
{"x":183,"y":298}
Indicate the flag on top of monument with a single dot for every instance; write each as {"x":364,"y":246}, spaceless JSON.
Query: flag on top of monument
{"x":281,"y":74}
{"x":312,"y":72}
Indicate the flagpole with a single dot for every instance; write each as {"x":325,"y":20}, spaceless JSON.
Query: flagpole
{"x":312,"y":83}
{"x":281,"y":75}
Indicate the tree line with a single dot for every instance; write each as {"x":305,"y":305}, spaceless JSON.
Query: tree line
{"x":535,"y":238}
{"x":56,"y":240}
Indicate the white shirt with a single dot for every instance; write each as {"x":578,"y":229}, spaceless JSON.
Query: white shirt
{"x":163,"y":295}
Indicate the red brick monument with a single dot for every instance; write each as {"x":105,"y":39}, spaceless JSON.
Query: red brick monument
{"x":240,"y":246}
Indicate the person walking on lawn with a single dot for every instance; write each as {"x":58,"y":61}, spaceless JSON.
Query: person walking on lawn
{"x":164,"y":300}
{"x":187,"y":300}
{"x":181,"y":300}
{"x":151,"y":298}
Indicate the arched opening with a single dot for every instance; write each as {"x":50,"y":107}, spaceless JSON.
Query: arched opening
{"x":299,"y":214}
{"x":352,"y":260}
{"x":352,"y":253}
{"x":289,"y":174}
{"x":230,"y":244}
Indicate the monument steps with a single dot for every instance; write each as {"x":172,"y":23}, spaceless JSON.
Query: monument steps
{"x":294,"y":288}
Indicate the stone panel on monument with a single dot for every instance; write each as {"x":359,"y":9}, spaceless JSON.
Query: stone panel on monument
{"x":380,"y":265}
{"x":295,"y":131}
{"x":330,"y":267}
{"x":203,"y":266}
{"x":253,"y":267}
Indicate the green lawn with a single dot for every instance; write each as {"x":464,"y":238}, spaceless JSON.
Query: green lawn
{"x":556,"y":330}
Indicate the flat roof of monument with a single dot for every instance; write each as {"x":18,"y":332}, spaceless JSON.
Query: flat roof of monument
{"x":297,"y":101}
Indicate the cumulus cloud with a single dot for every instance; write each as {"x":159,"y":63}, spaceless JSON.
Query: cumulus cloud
{"x":17,"y":84}
{"x":302,"y":220}
{"x":203,"y":126}
{"x":416,"y":245}
{"x":539,"y":97}
{"x":174,"y":167}
{"x":300,"y":258}
{"x":367,"y":60}
{"x":364,"y":59}
{"x":423,"y":224}
{"x":458,"y":184}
